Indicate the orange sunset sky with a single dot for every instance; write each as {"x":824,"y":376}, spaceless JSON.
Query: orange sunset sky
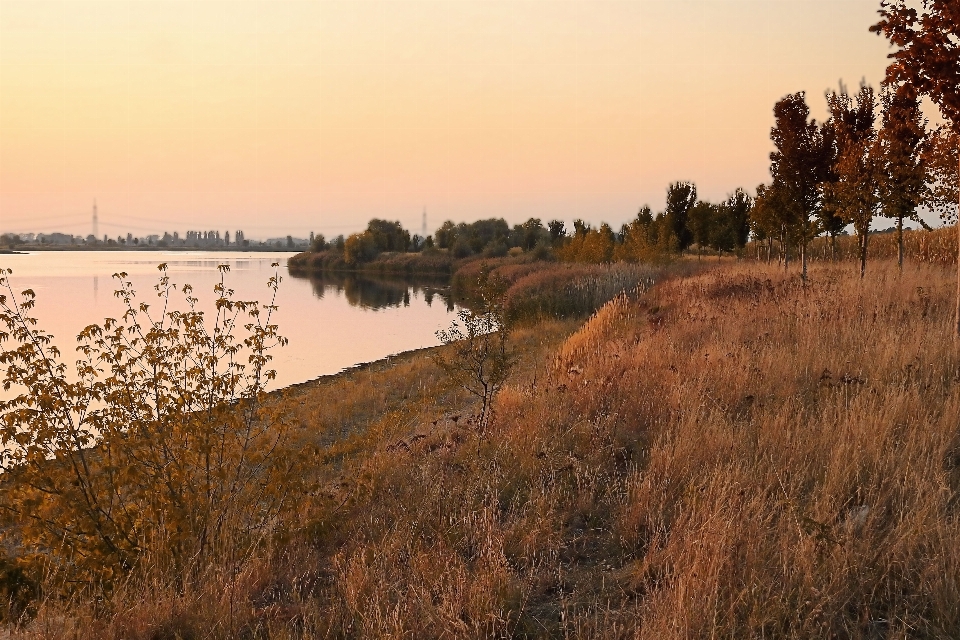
{"x":282,"y":116}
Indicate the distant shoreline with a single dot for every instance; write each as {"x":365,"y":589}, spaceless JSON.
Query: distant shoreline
{"x":26,"y":249}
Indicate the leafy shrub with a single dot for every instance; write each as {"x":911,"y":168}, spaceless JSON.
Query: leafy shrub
{"x":477,"y":358}
{"x":160,"y":448}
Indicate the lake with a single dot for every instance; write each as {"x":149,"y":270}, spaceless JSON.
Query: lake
{"x":333,"y":321}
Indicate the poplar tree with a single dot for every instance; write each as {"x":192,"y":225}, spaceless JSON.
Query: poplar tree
{"x":902,"y":165}
{"x":700,"y":221}
{"x":856,"y":191}
{"x":681,"y":197}
{"x":798,"y":166}
{"x":737,"y":209}
{"x":928,"y":59}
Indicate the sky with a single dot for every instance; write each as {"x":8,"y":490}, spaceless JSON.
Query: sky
{"x":288,"y":116}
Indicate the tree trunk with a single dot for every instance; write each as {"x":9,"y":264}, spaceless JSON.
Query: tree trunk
{"x":957,"y":315}
{"x":833,"y":247}
{"x":863,"y":254}
{"x":900,"y":243}
{"x":803,"y":260}
{"x":786,"y":253}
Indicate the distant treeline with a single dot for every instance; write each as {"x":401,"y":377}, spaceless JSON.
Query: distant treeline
{"x":876,"y":155}
{"x":653,"y":238}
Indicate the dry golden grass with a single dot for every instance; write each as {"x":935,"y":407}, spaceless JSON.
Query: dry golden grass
{"x":938,"y":246}
{"x":733,"y":454}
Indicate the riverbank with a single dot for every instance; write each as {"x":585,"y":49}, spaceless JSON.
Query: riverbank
{"x":425,"y":262}
{"x":733,"y":453}
{"x":708,"y":459}
{"x":30,"y":248}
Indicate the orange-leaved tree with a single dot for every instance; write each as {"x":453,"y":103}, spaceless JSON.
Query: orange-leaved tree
{"x":160,"y":447}
{"x":928,"y":59}
{"x":855,"y":191}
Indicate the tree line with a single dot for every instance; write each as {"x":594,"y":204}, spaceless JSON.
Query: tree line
{"x":685,"y":222}
{"x":869,"y":158}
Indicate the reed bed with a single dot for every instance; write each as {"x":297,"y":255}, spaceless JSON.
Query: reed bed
{"x":538,"y":290}
{"x":386,"y":263}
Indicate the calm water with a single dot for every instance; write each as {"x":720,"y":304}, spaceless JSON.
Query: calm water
{"x":332,"y":322}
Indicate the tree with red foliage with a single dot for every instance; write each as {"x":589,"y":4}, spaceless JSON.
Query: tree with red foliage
{"x":928,"y":59}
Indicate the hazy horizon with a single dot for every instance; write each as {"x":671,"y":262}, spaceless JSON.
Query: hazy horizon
{"x":284,"y":117}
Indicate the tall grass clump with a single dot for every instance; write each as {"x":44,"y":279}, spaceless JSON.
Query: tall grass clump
{"x":541,"y":290}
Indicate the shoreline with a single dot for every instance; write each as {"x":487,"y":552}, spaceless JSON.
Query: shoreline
{"x":70,"y":248}
{"x":380,"y":364}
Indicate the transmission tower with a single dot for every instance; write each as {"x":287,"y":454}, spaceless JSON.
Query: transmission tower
{"x":95,"y":225}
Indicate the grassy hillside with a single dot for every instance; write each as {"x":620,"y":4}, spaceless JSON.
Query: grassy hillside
{"x":730,"y":454}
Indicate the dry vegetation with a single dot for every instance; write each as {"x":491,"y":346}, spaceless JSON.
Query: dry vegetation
{"x":938,"y":246}
{"x":392,"y":263}
{"x":731,"y":454}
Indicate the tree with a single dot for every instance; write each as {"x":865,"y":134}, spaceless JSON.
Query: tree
{"x":646,"y":240}
{"x":856,"y":190}
{"x":828,"y":215}
{"x":766,"y":221}
{"x":681,"y":197}
{"x":798,"y":166}
{"x":737,"y":208}
{"x":530,"y":233}
{"x":558,"y":232}
{"x":700,"y":222}
{"x":928,"y":59}
{"x":379,"y":236}
{"x":318,"y":243}
{"x":943,"y":181}
{"x":592,"y":246}
{"x":902,"y":164}
{"x":478,"y":357}
{"x":161,"y":445}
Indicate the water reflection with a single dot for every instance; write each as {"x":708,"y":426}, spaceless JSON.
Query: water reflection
{"x":379,"y":292}
{"x":329,"y":319}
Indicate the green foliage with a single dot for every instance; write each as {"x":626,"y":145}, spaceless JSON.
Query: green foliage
{"x":380,"y":236}
{"x":318,"y":243}
{"x":558,"y":231}
{"x":529,"y":234}
{"x":700,"y":223}
{"x":10,"y":239}
{"x":466,"y":239}
{"x":159,"y":448}
{"x":681,"y":197}
{"x":478,"y":357}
